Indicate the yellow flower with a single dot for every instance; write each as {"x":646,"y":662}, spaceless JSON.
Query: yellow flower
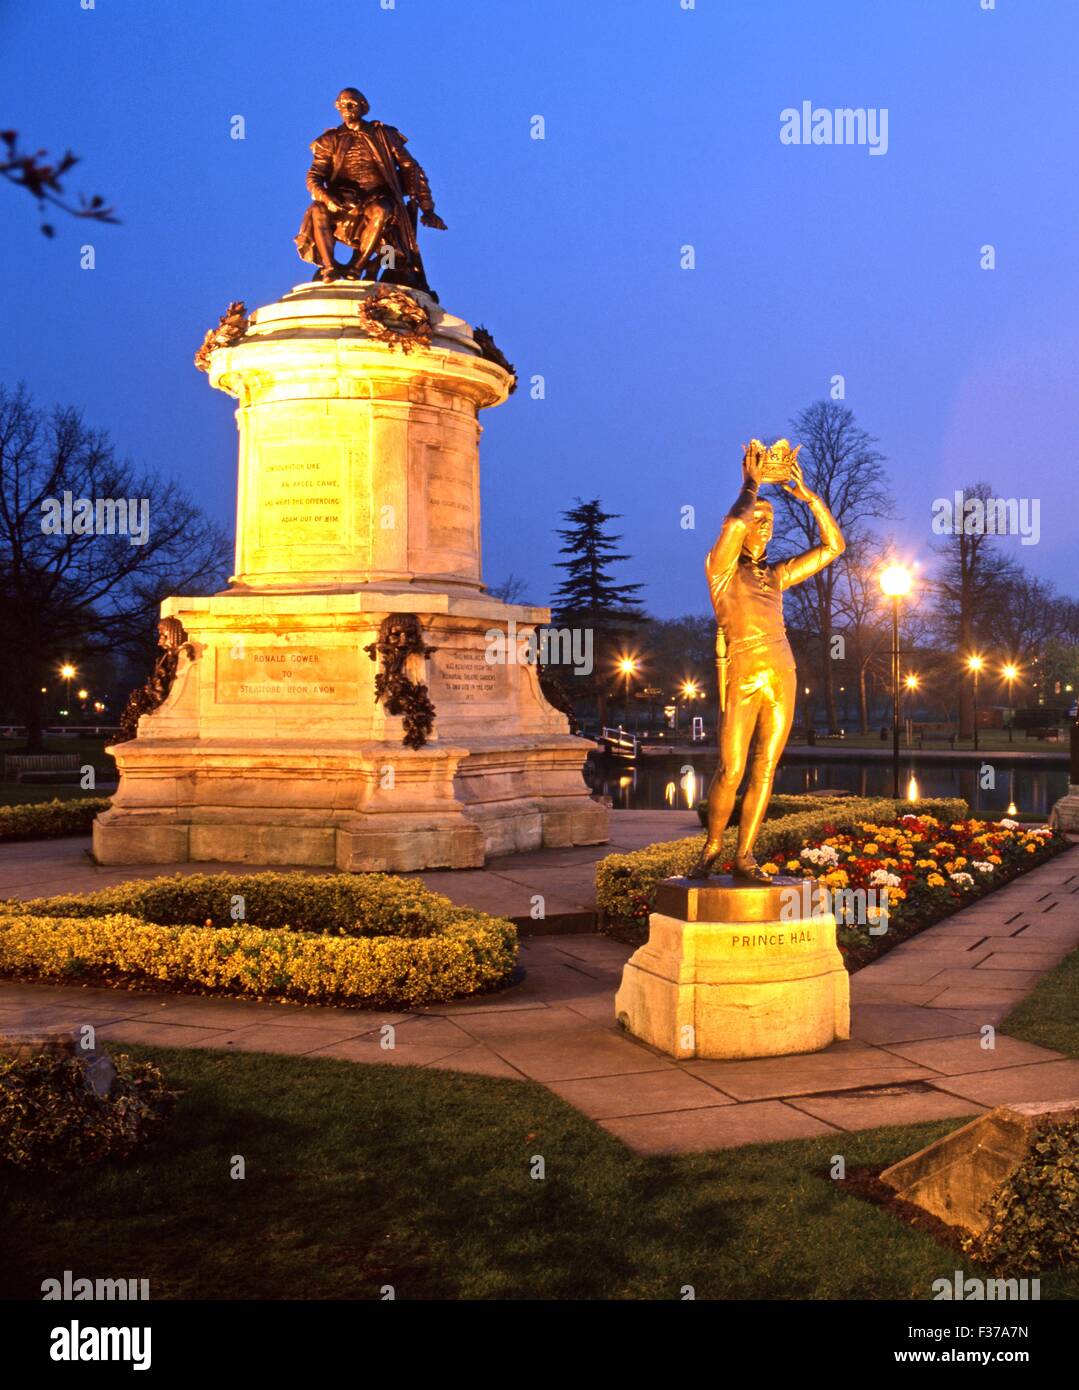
{"x":935,"y":881}
{"x":793,"y":866}
{"x":770,"y":868}
{"x":994,"y":858}
{"x":869,"y":849}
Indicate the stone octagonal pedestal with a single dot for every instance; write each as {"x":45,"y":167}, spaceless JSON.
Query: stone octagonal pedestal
{"x":731,"y":970}
{"x":358,"y":498}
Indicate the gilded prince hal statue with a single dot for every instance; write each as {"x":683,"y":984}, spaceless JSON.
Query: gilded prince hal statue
{"x":359,"y":180}
{"x":755,"y":664}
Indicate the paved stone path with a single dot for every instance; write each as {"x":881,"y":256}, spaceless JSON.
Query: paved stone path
{"x":505,"y":886}
{"x":916,"y":1052}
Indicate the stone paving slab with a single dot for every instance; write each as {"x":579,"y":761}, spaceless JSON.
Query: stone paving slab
{"x":960,"y":1056}
{"x":1056,"y":1080}
{"x":689,"y":1131}
{"x":843,"y":1066}
{"x":915,"y":1053}
{"x":899,"y":1106}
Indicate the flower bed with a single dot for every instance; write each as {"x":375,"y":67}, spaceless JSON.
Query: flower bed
{"x":626,"y":883}
{"x":46,"y":820}
{"x":920,"y":869}
{"x":341,"y":938}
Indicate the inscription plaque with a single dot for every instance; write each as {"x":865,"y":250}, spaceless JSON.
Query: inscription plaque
{"x":287,"y":675}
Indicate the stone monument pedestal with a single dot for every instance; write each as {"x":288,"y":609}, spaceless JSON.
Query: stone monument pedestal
{"x":358,"y":503}
{"x":736,"y":970}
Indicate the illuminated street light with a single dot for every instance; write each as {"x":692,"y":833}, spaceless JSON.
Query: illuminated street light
{"x":628,"y":667}
{"x":1010,"y":672}
{"x":895,"y":582}
{"x":67,"y":675}
{"x":975,"y":665}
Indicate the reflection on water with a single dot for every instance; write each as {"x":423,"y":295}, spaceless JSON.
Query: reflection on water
{"x":679,"y":783}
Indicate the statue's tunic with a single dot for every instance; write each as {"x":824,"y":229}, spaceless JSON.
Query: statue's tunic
{"x":747,"y":595}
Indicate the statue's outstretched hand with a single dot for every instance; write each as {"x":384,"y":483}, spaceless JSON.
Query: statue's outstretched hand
{"x":797,"y":485}
{"x":753,"y":460}
{"x":432,"y":219}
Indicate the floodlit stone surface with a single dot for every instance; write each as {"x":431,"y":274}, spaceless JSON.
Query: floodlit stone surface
{"x":358,"y":498}
{"x":765,"y":986}
{"x":955,"y":1177}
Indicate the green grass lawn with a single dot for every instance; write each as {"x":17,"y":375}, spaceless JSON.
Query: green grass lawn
{"x":361,"y":1176}
{"x":1049,"y":1015}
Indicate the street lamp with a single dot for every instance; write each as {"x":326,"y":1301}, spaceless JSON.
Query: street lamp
{"x":1010,"y":672}
{"x":68,"y":674}
{"x":911,"y":683}
{"x":628,"y":667}
{"x":895,"y":582}
{"x":974,"y":665}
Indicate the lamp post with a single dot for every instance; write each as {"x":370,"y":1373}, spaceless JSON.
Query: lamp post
{"x":910,"y":682}
{"x":974,"y":665}
{"x":895,"y":582}
{"x":1010,"y":672}
{"x":628,"y":666}
{"x":68,"y":674}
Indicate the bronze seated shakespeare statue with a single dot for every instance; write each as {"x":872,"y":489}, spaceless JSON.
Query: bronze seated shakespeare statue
{"x":755,"y":664}
{"x":359,"y":180}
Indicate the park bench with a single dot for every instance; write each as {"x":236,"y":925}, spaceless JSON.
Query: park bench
{"x":28,"y":766}
{"x":936,"y":733}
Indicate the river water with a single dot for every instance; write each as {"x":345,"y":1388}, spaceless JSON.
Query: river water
{"x":681,"y":782}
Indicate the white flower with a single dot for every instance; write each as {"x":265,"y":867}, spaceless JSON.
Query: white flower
{"x":964,"y":880}
{"x":881,"y":878}
{"x":1008,"y":824}
{"x":982,"y":865}
{"x":825,"y":854}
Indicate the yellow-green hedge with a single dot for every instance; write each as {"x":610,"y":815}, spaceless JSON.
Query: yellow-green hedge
{"x":45,"y":820}
{"x":360,"y":939}
{"x":626,"y":883}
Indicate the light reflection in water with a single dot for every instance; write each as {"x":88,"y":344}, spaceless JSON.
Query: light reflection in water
{"x":659,"y":784}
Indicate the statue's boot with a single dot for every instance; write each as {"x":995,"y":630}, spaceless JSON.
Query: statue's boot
{"x":706,"y":862}
{"x":747,"y":870}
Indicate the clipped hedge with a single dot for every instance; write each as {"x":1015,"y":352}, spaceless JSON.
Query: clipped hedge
{"x":626,"y":883}
{"x":779,"y":804}
{"x":343,"y":904}
{"x":47,"y":820}
{"x":342,"y":938}
{"x":51,"y":1118}
{"x":1034,"y":1214}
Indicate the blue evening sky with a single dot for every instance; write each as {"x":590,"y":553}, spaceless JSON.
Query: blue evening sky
{"x":662,"y":129}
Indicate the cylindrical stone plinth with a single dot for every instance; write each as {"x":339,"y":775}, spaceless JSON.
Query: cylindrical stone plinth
{"x":359,"y":462}
{"x":737,"y":971}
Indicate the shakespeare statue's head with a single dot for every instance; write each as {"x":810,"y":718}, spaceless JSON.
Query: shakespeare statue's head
{"x":759,"y":530}
{"x":352,"y":105}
